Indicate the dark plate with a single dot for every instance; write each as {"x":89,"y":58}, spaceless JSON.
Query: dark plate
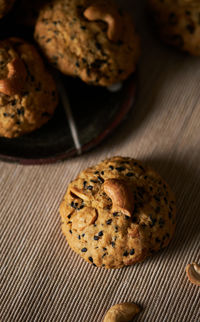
{"x":96,"y":113}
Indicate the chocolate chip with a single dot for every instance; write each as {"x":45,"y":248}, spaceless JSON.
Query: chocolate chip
{"x":100,"y":233}
{"x":90,"y":259}
{"x":69,"y":216}
{"x":170,"y":215}
{"x":125,"y":253}
{"x":83,"y":235}
{"x":158,"y":240}
{"x":84,"y":250}
{"x":96,"y":238}
{"x":96,"y":172}
{"x":111,"y":167}
{"x":84,"y":184}
{"x":127,"y":217}
{"x":70,"y":231}
{"x":104,"y":248}
{"x":132,"y":252}
{"x":116,"y":229}
{"x":79,"y":237}
{"x":83,"y":27}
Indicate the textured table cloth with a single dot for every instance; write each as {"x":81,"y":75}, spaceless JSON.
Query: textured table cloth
{"x":41,"y":278}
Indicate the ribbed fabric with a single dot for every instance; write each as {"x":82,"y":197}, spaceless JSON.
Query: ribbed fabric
{"x":41,"y":278}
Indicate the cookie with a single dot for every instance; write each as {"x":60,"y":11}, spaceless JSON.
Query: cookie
{"x":93,"y":40}
{"x":178,"y":23}
{"x":28,"y":95}
{"x":117,"y":213}
{"x":5,"y":6}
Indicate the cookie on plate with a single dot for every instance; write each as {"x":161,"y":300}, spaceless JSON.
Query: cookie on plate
{"x":28,"y":95}
{"x":93,"y":40}
{"x":117,"y":213}
{"x":5,"y":6}
{"x":178,"y":23}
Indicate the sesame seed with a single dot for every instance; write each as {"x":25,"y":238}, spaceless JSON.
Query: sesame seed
{"x":120,"y":169}
{"x":108,"y":222}
{"x":130,"y":174}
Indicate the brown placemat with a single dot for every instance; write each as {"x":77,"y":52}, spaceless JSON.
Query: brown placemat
{"x":41,"y":278}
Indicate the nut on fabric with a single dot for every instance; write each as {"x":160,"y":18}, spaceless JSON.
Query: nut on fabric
{"x":122,"y":312}
{"x":193,"y":273}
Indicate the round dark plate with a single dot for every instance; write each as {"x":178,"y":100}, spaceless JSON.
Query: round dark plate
{"x":96,"y":113}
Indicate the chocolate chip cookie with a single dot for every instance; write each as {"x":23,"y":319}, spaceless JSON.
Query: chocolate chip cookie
{"x":117,"y":213}
{"x":5,"y":6}
{"x":93,"y":40}
{"x":28,"y":95}
{"x":178,"y":23}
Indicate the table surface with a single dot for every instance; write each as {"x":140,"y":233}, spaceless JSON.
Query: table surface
{"x":42,"y":279}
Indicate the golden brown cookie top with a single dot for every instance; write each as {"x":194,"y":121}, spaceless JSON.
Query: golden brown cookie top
{"x":118,"y":212}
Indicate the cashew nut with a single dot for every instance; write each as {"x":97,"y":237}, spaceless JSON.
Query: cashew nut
{"x":108,"y":15}
{"x":85,"y":217}
{"x":79,"y":193}
{"x":193,"y":273}
{"x":121,"y":196}
{"x":15,"y":78}
{"x":123,"y":312}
